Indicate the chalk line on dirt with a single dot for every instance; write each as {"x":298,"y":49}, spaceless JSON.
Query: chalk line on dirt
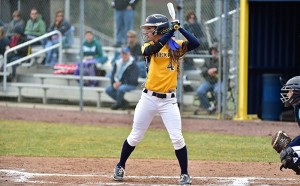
{"x":22,"y":176}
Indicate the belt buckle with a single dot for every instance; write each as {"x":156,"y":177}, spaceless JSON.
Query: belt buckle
{"x":162,"y":96}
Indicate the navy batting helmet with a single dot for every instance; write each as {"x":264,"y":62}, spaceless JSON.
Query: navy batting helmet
{"x":160,"y":21}
{"x":290,"y":92}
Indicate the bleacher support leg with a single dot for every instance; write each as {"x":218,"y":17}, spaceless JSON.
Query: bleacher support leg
{"x":99,"y":99}
{"x":20,"y":94}
{"x":45,"y":96}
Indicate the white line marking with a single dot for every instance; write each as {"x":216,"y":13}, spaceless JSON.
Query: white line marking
{"x":22,"y":176}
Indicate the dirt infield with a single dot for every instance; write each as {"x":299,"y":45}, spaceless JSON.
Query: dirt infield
{"x":98,"y":171}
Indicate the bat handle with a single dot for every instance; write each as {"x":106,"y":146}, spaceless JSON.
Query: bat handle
{"x":176,"y":27}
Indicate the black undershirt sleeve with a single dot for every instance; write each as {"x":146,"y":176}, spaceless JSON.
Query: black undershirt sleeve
{"x":152,"y":49}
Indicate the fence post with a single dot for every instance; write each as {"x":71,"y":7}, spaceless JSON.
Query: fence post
{"x":225,"y":61}
{"x":180,"y":80}
{"x":81,"y":54}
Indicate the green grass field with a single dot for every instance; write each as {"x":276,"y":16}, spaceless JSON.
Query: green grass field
{"x":19,"y":138}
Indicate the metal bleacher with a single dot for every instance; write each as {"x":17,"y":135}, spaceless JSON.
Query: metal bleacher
{"x":28,"y":83}
{"x":60,"y":87}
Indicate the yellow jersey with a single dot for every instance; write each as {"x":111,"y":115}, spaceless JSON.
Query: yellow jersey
{"x":162,"y":72}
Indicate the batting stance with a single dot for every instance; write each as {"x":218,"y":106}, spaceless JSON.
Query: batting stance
{"x":289,"y":149}
{"x":162,"y":55}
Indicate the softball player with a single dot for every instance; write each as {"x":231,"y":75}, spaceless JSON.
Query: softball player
{"x":289,"y":149}
{"x":162,"y":55}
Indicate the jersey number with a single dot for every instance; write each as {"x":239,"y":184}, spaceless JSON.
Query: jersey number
{"x":170,"y":66}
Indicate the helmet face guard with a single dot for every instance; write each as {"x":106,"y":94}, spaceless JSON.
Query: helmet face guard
{"x":290,"y":92}
{"x":286,"y":93}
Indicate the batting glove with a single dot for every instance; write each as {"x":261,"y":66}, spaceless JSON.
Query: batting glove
{"x":175,"y":24}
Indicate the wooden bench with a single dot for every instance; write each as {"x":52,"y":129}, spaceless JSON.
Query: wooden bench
{"x":46,"y":87}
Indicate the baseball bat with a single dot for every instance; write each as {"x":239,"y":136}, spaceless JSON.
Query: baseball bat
{"x":172,"y":13}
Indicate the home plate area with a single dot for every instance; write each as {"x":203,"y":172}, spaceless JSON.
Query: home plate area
{"x":22,"y":170}
{"x":13,"y":177}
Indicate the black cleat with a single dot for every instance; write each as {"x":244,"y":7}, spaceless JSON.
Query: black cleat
{"x":119,"y":173}
{"x":185,"y":179}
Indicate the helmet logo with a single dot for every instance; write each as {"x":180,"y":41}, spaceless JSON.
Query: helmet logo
{"x":165,"y":30}
{"x":157,"y":16}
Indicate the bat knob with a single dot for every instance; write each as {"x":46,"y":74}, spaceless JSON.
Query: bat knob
{"x":176,"y":27}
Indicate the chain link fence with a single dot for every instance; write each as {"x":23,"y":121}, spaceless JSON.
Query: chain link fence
{"x":213,"y":22}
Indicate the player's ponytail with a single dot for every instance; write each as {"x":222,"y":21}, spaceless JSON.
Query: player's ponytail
{"x":175,"y":55}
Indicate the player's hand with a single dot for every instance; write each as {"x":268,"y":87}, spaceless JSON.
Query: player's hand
{"x":212,"y":71}
{"x":116,"y":85}
{"x":287,"y":157}
{"x":175,"y":24}
{"x":87,"y":58}
{"x":129,"y":7}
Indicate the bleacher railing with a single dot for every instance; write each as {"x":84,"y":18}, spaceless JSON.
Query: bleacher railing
{"x":27,"y":43}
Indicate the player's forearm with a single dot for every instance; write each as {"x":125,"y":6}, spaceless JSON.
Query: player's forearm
{"x":193,"y":41}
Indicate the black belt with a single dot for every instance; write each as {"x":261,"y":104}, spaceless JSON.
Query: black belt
{"x":159,"y":95}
